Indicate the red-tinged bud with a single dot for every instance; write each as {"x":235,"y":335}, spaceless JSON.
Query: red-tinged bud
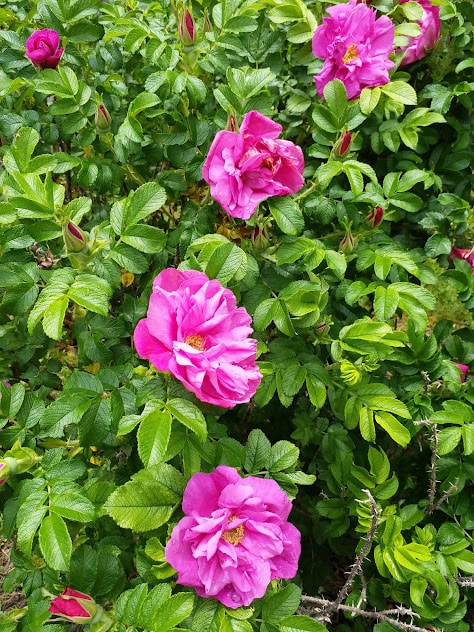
{"x":260,"y":238}
{"x":375,"y":216}
{"x":464,"y":370}
{"x":102,"y":119}
{"x":74,"y":606}
{"x":74,"y":238}
{"x":4,"y":471}
{"x":186,"y":28}
{"x":232,"y":125}
{"x":342,"y":145}
{"x":348,"y":243}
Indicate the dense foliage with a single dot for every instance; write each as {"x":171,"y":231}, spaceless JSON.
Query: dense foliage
{"x":360,"y":307}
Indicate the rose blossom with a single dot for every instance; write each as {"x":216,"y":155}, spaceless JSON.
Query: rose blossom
{"x":463,"y":253}
{"x":194,"y":330}
{"x":71,"y":605}
{"x":464,"y":370}
{"x":42,"y":48}
{"x":355,"y":46}
{"x":243,"y":168}
{"x":235,"y":537}
{"x":430,"y":28}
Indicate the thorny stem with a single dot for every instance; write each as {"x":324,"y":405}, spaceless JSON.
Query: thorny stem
{"x":465,"y":582}
{"x":382,"y":615}
{"x":356,"y":568}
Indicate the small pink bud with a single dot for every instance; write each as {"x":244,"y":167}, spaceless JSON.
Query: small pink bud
{"x":232,"y":125}
{"x":74,"y":238}
{"x":375,"y":216}
{"x":260,"y":238}
{"x":186,"y":29}
{"x":73,"y":606}
{"x":4,"y":470}
{"x":341,"y":146}
{"x":102,"y":118}
{"x":348,"y":243}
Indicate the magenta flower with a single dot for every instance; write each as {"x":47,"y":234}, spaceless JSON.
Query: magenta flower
{"x":42,"y":48}
{"x":430,"y":24}
{"x":464,"y":370}
{"x":235,"y":537}
{"x":247,"y":167}
{"x":194,"y":330}
{"x":73,"y":606}
{"x":463,"y":253}
{"x":355,"y":46}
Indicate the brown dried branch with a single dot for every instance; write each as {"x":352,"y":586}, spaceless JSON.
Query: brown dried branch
{"x":356,"y":568}
{"x":465,"y":582}
{"x":325,"y":605}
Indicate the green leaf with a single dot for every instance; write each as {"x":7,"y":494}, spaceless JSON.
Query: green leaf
{"x":153,"y":436}
{"x":67,"y":410}
{"x":55,"y":542}
{"x":448,"y":439}
{"x":142,"y":102}
{"x":142,"y":505}
{"x":369,"y":98}
{"x":300,"y":623}
{"x":172,"y":612}
{"x":189,"y":415}
{"x":393,"y":427}
{"x":283,"y":455}
{"x":385,"y":302}
{"x":336,"y":97}
{"x":257,"y":452}
{"x":282,"y":604}
{"x":400,"y":91}
{"x":287,"y":215}
{"x":148,"y":239}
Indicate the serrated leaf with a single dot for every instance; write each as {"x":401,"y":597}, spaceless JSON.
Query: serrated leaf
{"x":393,"y":427}
{"x":287,"y":215}
{"x":55,"y":542}
{"x":189,"y":415}
{"x":257,"y":451}
{"x":385,"y":302}
{"x":282,"y":604}
{"x":153,"y":436}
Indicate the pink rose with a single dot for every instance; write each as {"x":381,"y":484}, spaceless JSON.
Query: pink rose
{"x":194,"y":330}
{"x":243,"y":168}
{"x":430,"y":28}
{"x":235,"y":537}
{"x":355,"y":46}
{"x":464,"y":370}
{"x":42,"y":48}
{"x":73,"y":606}
{"x":463,"y":253}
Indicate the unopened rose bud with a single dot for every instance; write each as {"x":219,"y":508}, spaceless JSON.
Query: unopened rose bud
{"x":102,"y":119}
{"x":341,"y":146}
{"x":74,"y":238}
{"x":375,"y":216}
{"x":4,"y":471}
{"x":348,"y":243}
{"x":259,"y":238}
{"x":232,"y":124}
{"x":186,"y":28}
{"x":73,"y":606}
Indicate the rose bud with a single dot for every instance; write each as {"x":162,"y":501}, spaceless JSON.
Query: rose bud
{"x":74,"y":238}
{"x":186,"y":28}
{"x":42,"y":48}
{"x":102,"y":119}
{"x":73,"y":606}
{"x":341,"y":146}
{"x":375,"y":216}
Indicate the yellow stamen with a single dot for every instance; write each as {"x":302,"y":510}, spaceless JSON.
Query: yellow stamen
{"x":195,"y":341}
{"x":234,"y":536}
{"x":350,"y":54}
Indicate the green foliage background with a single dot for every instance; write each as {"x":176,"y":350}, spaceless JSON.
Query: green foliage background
{"x":359,"y":328}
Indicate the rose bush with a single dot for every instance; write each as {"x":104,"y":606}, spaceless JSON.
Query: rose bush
{"x":298,"y":340}
{"x":194,"y":330}
{"x":247,"y":167}
{"x":234,"y":538}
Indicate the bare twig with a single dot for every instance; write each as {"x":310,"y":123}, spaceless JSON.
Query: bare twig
{"x":356,"y":568}
{"x":432,"y":469}
{"x":324,"y":605}
{"x":452,"y":488}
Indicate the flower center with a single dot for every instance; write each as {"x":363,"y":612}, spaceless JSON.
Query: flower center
{"x":234,"y":536}
{"x":195,"y":341}
{"x":350,"y":54}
